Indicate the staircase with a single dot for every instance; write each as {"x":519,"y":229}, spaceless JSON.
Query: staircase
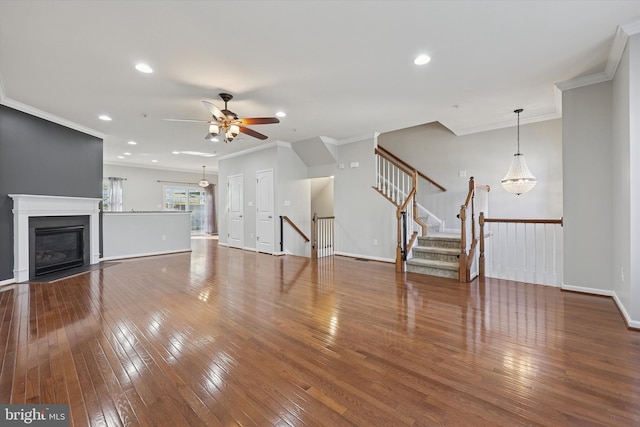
{"x":436,"y":255}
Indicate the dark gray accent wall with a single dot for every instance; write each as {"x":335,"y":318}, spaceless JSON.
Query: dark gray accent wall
{"x":41,"y":157}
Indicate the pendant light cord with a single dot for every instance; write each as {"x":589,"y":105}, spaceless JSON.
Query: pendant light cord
{"x":518,"y":111}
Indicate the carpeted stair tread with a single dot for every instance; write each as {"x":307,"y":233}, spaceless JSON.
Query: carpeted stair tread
{"x":433,"y":263}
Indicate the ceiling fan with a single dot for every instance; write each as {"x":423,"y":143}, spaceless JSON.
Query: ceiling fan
{"x":226,"y":122}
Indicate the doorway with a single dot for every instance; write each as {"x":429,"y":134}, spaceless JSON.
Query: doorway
{"x":236,"y":211}
{"x":264,"y":211}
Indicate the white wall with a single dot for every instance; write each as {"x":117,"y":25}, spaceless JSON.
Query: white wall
{"x":246,"y":164}
{"x":293,"y":199}
{"x":634,"y":178}
{"x":322,"y":196}
{"x":626,"y":182}
{"x":441,"y":155}
{"x":142,"y":192}
{"x":588,"y":213}
{"x":621,"y":221}
{"x":362,"y":215}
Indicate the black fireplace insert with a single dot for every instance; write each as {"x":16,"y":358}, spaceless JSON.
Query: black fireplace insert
{"x":57,"y":243}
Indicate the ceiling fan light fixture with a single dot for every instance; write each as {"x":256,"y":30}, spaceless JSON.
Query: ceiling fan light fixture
{"x":214,"y":129}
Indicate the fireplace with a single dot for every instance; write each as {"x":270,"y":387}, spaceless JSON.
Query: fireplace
{"x":57,"y":243}
{"x":59,"y":217}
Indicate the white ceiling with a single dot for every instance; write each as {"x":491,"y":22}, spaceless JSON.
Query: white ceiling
{"x":340,"y":69}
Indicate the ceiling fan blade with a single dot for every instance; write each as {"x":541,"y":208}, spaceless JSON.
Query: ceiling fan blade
{"x":189,"y":120}
{"x":210,"y":137}
{"x":213,"y":110}
{"x":252,"y":133}
{"x":259,"y":121}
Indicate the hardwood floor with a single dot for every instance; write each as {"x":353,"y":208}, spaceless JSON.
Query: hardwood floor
{"x":222,"y":336}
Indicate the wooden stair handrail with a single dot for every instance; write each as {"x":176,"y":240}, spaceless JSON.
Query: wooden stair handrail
{"x":482,"y":220}
{"x":295,"y":227}
{"x":525,"y":221}
{"x":394,"y":162}
{"x":395,"y":159}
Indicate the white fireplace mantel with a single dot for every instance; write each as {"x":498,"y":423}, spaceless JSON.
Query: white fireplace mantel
{"x":29,"y":205}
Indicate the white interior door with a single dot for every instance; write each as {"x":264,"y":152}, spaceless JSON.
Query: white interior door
{"x":236,"y":211}
{"x":264,"y":211}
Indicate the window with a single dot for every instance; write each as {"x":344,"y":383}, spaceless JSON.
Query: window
{"x":187,"y":199}
{"x":112,"y":194}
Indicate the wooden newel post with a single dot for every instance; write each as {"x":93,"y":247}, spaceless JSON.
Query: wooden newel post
{"x":399,"y":260}
{"x":462,"y":266}
{"x":314,"y":236}
{"x":481,"y":261}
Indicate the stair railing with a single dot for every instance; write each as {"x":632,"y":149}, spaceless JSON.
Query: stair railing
{"x":388,"y":154}
{"x":397,"y":181}
{"x":468,"y":235}
{"x":527,"y":250}
{"x":322,"y":236}
{"x":283,"y":219}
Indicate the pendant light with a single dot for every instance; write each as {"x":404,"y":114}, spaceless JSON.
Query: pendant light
{"x":203,"y":182}
{"x":519,"y":178}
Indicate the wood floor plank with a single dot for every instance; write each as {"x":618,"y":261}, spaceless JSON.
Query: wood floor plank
{"x":224,"y":337}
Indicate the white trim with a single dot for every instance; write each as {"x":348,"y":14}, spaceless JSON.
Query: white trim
{"x":630,"y":322}
{"x":146,"y":254}
{"x":594,"y":291}
{"x":372,"y":258}
{"x":50,"y":117}
{"x":587,"y":80}
{"x":26,"y":206}
{"x":223,"y":244}
{"x":7,"y":282}
{"x":357,"y":138}
{"x":246,"y":248}
{"x":623,"y":32}
{"x":607,"y":293}
{"x":502,"y":125}
{"x":254,"y":149}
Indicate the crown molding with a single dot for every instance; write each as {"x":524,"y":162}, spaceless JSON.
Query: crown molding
{"x":623,"y":32}
{"x":44,"y":115}
{"x":587,"y":80}
{"x":357,"y":138}
{"x":254,"y":149}
{"x":508,"y":123}
{"x":50,"y":117}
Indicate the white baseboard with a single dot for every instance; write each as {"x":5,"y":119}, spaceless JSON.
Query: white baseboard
{"x":223,"y":244}
{"x":372,"y":258}
{"x":111,"y":258}
{"x":7,"y":282}
{"x":608,"y":293}
{"x":630,"y":322}
{"x":250,"y":249}
{"x":594,"y":291}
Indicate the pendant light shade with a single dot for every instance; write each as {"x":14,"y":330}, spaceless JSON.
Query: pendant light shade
{"x":519,"y":178}
{"x":203,"y":182}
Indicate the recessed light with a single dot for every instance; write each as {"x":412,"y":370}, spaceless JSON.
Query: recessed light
{"x":197,"y":153}
{"x":127,"y":154}
{"x":132,"y":143}
{"x":281,"y":114}
{"x":105,"y":118}
{"x":121,"y":157}
{"x":144,"y":68}
{"x":422,"y":59}
{"x":154,"y":161}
